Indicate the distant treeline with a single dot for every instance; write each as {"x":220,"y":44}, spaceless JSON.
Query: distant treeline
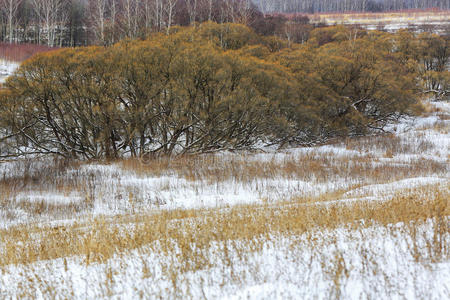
{"x":104,"y":22}
{"x":214,"y":87}
{"x":320,"y":6}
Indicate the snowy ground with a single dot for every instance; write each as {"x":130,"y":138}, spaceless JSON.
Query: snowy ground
{"x":376,"y":264}
{"x":438,"y":22}
{"x":417,"y":155}
{"x":371,"y":263}
{"x":6,"y":69}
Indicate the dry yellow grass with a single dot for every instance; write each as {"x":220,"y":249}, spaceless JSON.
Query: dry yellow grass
{"x":187,"y":241}
{"x":365,"y":164}
{"x":303,"y":166}
{"x":192,"y":232}
{"x":412,"y":17}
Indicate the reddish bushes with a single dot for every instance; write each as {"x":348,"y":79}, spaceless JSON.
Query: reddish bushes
{"x":20,"y":52}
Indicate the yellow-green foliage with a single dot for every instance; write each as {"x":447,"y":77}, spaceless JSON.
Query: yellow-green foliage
{"x":206,"y":88}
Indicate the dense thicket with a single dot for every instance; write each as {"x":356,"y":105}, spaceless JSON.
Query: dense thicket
{"x":215,"y":86}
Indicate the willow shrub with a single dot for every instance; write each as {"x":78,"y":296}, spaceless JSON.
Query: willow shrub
{"x":204,"y":89}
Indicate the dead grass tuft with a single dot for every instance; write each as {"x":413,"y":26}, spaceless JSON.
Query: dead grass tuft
{"x":192,"y":232}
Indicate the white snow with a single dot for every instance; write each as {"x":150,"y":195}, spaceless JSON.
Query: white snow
{"x":376,"y":262}
{"x":115,"y":190}
{"x":49,"y":198}
{"x":380,"y":190}
{"x":6,"y":69}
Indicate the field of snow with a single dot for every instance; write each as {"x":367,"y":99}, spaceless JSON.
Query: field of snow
{"x":415,"y":155}
{"x":6,"y":69}
{"x":374,"y":263}
{"x":362,"y":218}
{"x":390,"y":21}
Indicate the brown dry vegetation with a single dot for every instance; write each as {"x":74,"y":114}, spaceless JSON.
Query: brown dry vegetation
{"x":189,"y":241}
{"x":210,"y":169}
{"x":305,"y":166}
{"x":186,"y":241}
{"x":194,"y":231}
{"x":371,"y":160}
{"x":199,"y":240}
{"x":412,"y":16}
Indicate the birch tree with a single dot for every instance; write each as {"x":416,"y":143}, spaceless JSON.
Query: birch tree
{"x":10,"y":8}
{"x":191,"y":6}
{"x":169,"y":9}
{"x":98,"y":18}
{"x":131,"y":17}
{"x":49,"y":13}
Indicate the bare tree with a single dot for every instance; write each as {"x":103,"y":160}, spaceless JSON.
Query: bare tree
{"x":131,"y":17}
{"x":49,"y":13}
{"x":10,"y":7}
{"x":191,"y":6}
{"x":98,"y":18}
{"x":153,"y":11}
{"x":169,"y":9}
{"x":244,"y":11}
{"x":210,"y":6}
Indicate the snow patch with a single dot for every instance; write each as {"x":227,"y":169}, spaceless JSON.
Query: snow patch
{"x":6,"y":69}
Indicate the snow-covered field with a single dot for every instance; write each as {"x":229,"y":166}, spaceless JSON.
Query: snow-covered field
{"x":417,"y":154}
{"x":376,"y":264}
{"x":6,"y":69}
{"x":390,"y":21}
{"x":387,"y":256}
